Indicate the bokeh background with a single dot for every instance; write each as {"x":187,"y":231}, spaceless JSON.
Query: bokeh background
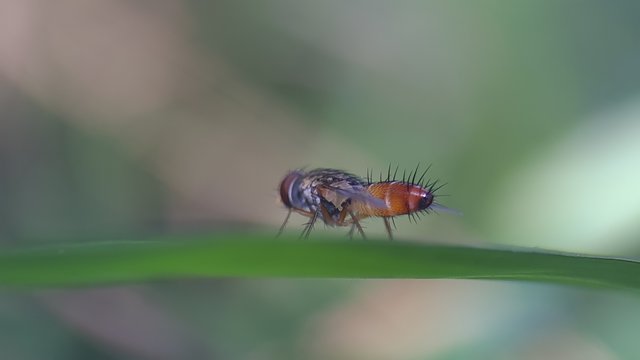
{"x":125,"y":119}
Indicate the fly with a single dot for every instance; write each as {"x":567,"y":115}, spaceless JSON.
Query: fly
{"x":339,"y":198}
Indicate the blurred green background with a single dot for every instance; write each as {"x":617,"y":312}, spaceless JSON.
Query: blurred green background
{"x":124,"y":119}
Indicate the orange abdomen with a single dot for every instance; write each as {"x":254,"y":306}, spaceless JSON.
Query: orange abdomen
{"x":401,"y":198}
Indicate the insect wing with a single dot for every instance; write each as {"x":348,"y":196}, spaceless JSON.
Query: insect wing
{"x":444,"y":209}
{"x":358,"y":195}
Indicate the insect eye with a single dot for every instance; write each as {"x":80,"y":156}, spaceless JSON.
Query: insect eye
{"x":286,"y":186}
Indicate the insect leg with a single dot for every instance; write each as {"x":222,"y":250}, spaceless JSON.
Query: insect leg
{"x":328,"y":219}
{"x":341,"y":220}
{"x":357,"y":224}
{"x":350,"y":233}
{"x":309,"y":226}
{"x":388,"y":226}
{"x":286,"y":219}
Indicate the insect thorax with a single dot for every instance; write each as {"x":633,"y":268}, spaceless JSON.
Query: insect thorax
{"x":326,"y":187}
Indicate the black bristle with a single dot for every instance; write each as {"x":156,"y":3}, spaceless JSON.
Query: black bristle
{"x":423,"y":174}
{"x":432,"y":185}
{"x":415,"y":172}
{"x":439,"y":187}
{"x":395,"y":173}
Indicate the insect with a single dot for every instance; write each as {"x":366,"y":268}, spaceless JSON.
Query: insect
{"x":339,"y":198}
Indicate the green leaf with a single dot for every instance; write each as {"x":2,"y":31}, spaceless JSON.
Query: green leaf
{"x":261,"y":256}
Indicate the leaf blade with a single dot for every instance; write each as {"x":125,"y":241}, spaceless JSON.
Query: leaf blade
{"x":241,"y":255}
